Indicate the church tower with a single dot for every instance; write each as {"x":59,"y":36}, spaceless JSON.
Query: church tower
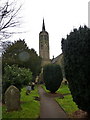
{"x":44,"y":45}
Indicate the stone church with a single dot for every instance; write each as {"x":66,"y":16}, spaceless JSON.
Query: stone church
{"x":44,"y":52}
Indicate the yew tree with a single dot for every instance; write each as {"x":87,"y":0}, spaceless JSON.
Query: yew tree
{"x":52,"y":76}
{"x":76,"y":51}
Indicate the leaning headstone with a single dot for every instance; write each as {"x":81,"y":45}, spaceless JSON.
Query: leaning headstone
{"x":12,"y":98}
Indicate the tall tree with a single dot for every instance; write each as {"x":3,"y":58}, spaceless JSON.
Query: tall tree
{"x":76,"y":51}
{"x":18,"y":53}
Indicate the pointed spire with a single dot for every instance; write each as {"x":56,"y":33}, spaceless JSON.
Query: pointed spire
{"x":43,"y":26}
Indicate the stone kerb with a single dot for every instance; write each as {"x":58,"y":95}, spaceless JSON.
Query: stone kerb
{"x":12,"y":98}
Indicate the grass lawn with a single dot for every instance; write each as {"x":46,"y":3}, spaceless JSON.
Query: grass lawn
{"x":67,"y":102}
{"x":63,"y":89}
{"x":43,"y":86}
{"x":30,"y":107}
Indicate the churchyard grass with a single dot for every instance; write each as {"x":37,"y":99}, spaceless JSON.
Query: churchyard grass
{"x":43,"y":86}
{"x":30,"y":107}
{"x":67,"y":102}
{"x":64,"y":89}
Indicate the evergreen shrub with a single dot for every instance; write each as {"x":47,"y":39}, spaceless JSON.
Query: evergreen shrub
{"x":52,"y":76}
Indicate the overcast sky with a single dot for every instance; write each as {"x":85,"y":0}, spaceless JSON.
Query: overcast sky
{"x":60,"y":16}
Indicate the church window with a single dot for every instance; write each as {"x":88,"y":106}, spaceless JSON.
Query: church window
{"x":41,"y":37}
{"x":41,"y":46}
{"x":45,"y":37}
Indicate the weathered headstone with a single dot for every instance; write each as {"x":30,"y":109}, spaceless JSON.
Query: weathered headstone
{"x":12,"y":98}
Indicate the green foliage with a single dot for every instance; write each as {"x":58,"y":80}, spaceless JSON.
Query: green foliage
{"x":64,"y":89}
{"x":30,"y":107}
{"x":52,"y":76}
{"x":16,"y":76}
{"x":19,"y":54}
{"x":76,"y":50}
{"x":67,"y":104}
{"x":5,"y":44}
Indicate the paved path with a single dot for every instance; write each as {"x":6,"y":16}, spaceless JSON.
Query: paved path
{"x":49,"y":108}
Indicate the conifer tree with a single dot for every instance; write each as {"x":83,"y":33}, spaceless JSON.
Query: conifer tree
{"x":76,"y":51}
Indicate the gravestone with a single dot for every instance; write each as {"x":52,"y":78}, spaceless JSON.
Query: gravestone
{"x":12,"y":98}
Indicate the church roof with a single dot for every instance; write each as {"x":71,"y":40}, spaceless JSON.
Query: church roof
{"x":54,"y":60}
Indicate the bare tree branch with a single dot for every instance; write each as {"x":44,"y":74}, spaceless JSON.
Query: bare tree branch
{"x":8,"y":18}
